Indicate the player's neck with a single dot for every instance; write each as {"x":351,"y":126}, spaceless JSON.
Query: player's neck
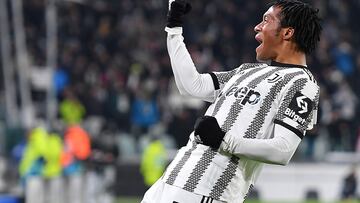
{"x":291,"y":57}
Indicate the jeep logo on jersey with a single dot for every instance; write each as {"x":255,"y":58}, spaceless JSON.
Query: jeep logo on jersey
{"x":246,"y":95}
{"x":299,"y":108}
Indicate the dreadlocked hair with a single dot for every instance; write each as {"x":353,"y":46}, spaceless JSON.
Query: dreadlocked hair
{"x":305,"y":21}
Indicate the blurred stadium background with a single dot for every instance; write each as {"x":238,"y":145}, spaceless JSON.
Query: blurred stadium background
{"x":89,"y":111}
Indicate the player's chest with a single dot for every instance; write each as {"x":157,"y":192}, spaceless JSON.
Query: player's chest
{"x":249,"y":90}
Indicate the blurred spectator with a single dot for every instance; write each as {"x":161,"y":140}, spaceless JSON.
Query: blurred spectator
{"x":343,"y":58}
{"x":61,"y":80}
{"x":40,"y":166}
{"x":144,"y":112}
{"x":153,"y":162}
{"x":341,"y":111}
{"x":52,"y":156}
{"x":310,"y":140}
{"x":71,"y":110}
{"x":350,"y":186}
{"x":117,"y":106}
{"x":77,"y":147}
{"x":100,"y":168}
{"x":32,"y":162}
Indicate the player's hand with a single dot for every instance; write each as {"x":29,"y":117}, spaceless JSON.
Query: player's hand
{"x":208,"y":132}
{"x":177,"y":10}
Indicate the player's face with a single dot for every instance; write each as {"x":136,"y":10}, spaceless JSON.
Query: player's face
{"x":268,"y":35}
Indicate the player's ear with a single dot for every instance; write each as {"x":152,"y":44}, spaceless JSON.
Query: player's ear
{"x":288,"y":33}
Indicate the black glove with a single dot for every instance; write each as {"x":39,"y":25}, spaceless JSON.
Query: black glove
{"x":177,"y":10}
{"x":208,"y":132}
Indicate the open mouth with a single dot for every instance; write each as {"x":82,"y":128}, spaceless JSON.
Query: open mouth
{"x":258,"y":38}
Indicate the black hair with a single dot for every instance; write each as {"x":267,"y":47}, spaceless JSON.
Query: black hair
{"x":305,"y":21}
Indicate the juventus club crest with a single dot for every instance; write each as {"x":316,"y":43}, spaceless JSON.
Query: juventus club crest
{"x":274,"y":78}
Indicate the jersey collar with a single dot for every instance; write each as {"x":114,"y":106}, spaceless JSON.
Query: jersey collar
{"x":274,"y":63}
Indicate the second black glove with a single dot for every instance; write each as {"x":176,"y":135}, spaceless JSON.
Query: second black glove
{"x":208,"y":132}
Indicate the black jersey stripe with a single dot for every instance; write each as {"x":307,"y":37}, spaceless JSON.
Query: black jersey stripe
{"x":174,"y":173}
{"x":317,"y":98}
{"x":259,"y":119}
{"x":218,"y":105}
{"x":199,"y":170}
{"x":251,"y":187}
{"x":225,"y":178}
{"x":297,"y":86}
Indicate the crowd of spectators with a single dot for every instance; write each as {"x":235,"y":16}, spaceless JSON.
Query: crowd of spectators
{"x":113,"y":59}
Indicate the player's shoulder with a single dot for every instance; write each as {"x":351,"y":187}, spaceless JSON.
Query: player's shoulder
{"x":308,"y":80}
{"x":305,"y":81}
{"x":253,"y":65}
{"x":307,"y":74}
{"x":246,"y":66}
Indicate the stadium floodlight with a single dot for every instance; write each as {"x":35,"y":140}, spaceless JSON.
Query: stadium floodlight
{"x":22,"y":63}
{"x":8,"y":67}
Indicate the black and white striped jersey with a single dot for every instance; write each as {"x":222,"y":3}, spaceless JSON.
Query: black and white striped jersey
{"x":248,"y":102}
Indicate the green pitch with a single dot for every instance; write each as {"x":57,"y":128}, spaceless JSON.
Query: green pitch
{"x":137,"y":200}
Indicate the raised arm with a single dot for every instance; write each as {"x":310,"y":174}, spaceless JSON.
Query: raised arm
{"x":188,"y":80}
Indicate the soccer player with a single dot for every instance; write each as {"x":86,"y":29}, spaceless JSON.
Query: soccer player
{"x":259,"y":112}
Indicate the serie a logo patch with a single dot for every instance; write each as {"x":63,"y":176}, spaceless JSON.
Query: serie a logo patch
{"x":299,"y":108}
